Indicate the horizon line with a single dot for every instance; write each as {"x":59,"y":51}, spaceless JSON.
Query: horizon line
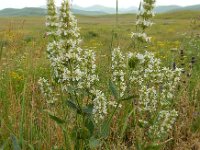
{"x":42,"y":6}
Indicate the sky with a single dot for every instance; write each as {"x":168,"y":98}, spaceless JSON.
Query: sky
{"x":85,"y":3}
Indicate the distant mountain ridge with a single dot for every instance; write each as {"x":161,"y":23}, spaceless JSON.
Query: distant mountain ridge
{"x":163,"y":9}
{"x":172,"y":8}
{"x":92,"y":10}
{"x":38,"y":11}
{"x":158,"y":9}
{"x":28,"y":11}
{"x":108,"y":10}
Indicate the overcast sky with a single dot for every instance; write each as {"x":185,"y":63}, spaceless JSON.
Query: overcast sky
{"x":85,"y":3}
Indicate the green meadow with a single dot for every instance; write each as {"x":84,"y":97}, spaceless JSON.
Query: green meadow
{"x":23,"y":61}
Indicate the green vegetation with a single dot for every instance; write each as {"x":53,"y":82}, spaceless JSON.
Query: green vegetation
{"x":24,"y":121}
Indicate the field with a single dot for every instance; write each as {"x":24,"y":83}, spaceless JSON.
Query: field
{"x":23,"y":61}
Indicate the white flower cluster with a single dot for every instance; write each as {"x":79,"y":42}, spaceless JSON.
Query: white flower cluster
{"x":64,"y":52}
{"x":51,"y":19}
{"x":141,"y":37}
{"x":100,"y":105}
{"x":47,"y":90}
{"x":156,"y":87}
{"x":88,"y":82}
{"x":72,"y":66}
{"x":143,"y":20}
{"x":170,"y":80}
{"x":119,"y":70}
{"x":150,"y":76}
{"x":147,"y":9}
{"x":89,"y":68}
{"x":148,"y":70}
{"x":163,"y":124}
{"x":144,"y":23}
{"x":148,"y":99}
{"x":143,"y":13}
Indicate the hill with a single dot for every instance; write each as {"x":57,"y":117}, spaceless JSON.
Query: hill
{"x":181,"y":14}
{"x":108,"y":10}
{"x":158,"y":9}
{"x":93,"y":10}
{"x":164,"y":9}
{"x":28,"y":11}
{"x":34,"y":11}
{"x":193,"y":7}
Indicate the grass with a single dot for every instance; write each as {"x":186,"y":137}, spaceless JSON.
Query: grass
{"x":23,"y":61}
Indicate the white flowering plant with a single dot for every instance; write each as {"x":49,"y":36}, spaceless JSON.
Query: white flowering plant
{"x":144,"y":21}
{"x":74,"y":78}
{"x":156,"y":87}
{"x":137,"y":81}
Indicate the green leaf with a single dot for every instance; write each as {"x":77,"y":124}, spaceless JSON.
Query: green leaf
{"x":133,"y":62}
{"x":94,"y":143}
{"x":105,"y":130}
{"x":126,"y":123}
{"x":15,"y":143}
{"x":72,"y":105}
{"x":113,"y":89}
{"x":141,"y":124}
{"x":88,"y":109}
{"x":74,"y":133}
{"x":89,"y":124}
{"x":31,"y":147}
{"x":83,"y":133}
{"x":56,"y":119}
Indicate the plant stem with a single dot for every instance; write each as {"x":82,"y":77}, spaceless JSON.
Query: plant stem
{"x":117,"y":11}
{"x":22,"y":115}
